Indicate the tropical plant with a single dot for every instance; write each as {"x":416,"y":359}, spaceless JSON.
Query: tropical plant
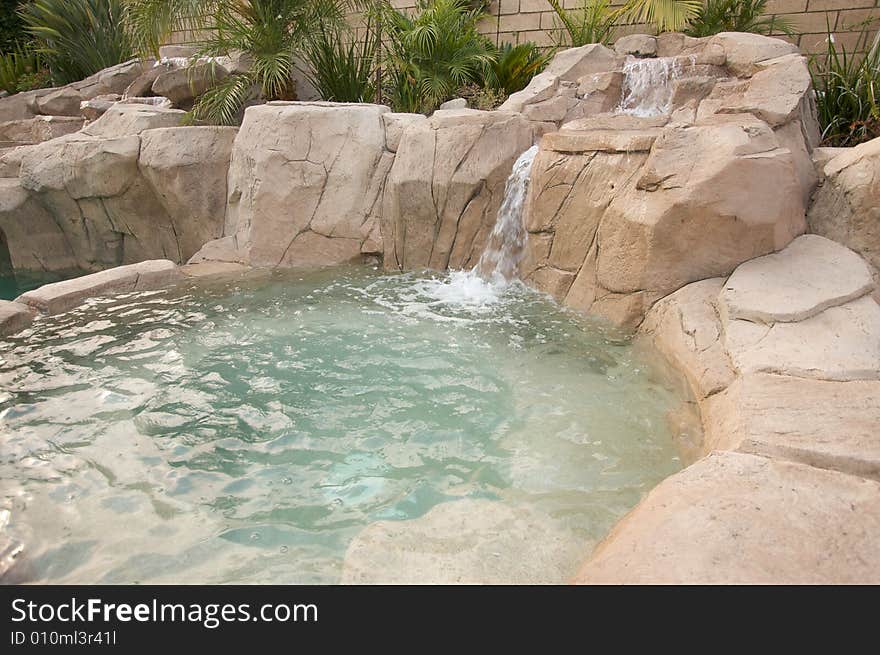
{"x":665,"y":15}
{"x":340,"y":66}
{"x":11,"y":28}
{"x":592,"y":22}
{"x":848,"y":91}
{"x":516,"y":65}
{"x":430,"y":56}
{"x":77,"y":38}
{"x":21,"y":69}
{"x":737,"y":16}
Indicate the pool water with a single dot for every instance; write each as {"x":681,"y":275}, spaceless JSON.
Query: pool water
{"x":245,"y":430}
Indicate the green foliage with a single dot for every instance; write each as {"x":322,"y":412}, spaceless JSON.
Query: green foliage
{"x":151,"y":22}
{"x":485,"y":98}
{"x":516,"y":65}
{"x":341,"y":67}
{"x":21,"y":69}
{"x":11,"y":28}
{"x":432,"y":55}
{"x":665,"y":15}
{"x":736,"y":16}
{"x":77,"y":37}
{"x":847,"y":89}
{"x":592,"y":22}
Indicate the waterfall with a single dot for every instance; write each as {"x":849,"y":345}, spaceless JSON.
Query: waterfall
{"x":506,"y":244}
{"x":483,"y":286}
{"x":647,"y":85}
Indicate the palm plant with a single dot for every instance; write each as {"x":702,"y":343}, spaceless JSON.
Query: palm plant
{"x":666,"y":15}
{"x":848,"y":91}
{"x":592,"y":22}
{"x":433,"y":54}
{"x":737,"y":16}
{"x":516,"y":65}
{"x":340,"y":66}
{"x":78,"y":37}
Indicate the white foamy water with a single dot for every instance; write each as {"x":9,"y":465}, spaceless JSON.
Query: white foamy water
{"x":486,"y":282}
{"x":647,"y":85}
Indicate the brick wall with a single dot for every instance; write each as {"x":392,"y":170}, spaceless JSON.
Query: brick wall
{"x":533,"y":20}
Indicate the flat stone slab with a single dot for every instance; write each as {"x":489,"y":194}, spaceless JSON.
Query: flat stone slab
{"x":14,"y":317}
{"x":807,"y":277}
{"x":600,"y":140}
{"x":832,"y":425}
{"x":62,"y":296}
{"x":841,"y":343}
{"x":463,"y":542}
{"x":735,"y":518}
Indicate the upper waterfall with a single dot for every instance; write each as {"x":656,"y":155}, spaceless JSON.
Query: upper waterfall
{"x":647,"y":84}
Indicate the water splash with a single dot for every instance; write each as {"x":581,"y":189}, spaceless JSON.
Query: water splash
{"x":647,"y":84}
{"x":483,"y":285}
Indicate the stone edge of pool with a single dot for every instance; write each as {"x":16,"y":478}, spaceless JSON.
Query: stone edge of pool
{"x":784,"y":361}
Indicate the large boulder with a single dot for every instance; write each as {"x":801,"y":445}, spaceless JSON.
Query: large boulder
{"x":846,"y":208}
{"x":60,"y":102}
{"x":187,"y":168}
{"x":35,"y":241}
{"x":740,"y":518}
{"x":632,"y":217}
{"x":305,"y":185}
{"x":124,"y":193}
{"x":446,"y":185}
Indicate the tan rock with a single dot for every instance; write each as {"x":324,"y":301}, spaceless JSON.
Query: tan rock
{"x":21,"y":106}
{"x":709,"y":197}
{"x":599,"y":92}
{"x":743,"y":51}
{"x":737,"y":518}
{"x":124,"y":119}
{"x":60,"y":102}
{"x":831,"y":425}
{"x":38,"y":129}
{"x":574,"y":63}
{"x":14,"y":317}
{"x":543,"y":86}
{"x":209,"y":269}
{"x":846,"y":208}
{"x":638,"y":45}
{"x":395,"y":124}
{"x":462,"y":542}
{"x":840,"y":343}
{"x":35,"y":241}
{"x":686,"y":329}
{"x":60,"y":297}
{"x":305,"y":167}
{"x":807,"y":277}
{"x":187,"y":169}
{"x":183,"y":85}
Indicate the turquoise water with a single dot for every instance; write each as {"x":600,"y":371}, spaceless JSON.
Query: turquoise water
{"x":246,"y":430}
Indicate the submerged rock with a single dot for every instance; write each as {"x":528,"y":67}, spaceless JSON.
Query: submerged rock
{"x":463,"y":542}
